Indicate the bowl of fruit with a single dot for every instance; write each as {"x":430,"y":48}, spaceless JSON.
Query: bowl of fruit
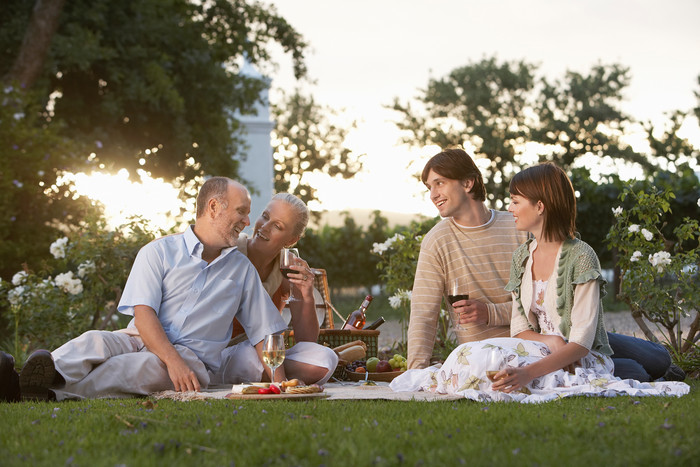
{"x":375,"y":369}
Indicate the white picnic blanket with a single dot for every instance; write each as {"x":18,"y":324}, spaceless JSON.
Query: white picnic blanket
{"x":336,"y":391}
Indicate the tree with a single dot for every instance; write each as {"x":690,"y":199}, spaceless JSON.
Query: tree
{"x":28,"y":64}
{"x":33,"y":204}
{"x":669,"y":146}
{"x":580,"y":116}
{"x":482,"y":104}
{"x":154,"y":83}
{"x":500,"y":107}
{"x":305,"y":140}
{"x":696,"y":110}
{"x":151,"y":84}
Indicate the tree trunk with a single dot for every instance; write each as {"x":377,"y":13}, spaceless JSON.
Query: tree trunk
{"x":32,"y":53}
{"x":638,"y":317}
{"x":691,"y":337}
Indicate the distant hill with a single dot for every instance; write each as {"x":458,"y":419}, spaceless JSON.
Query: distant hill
{"x":363,"y":217}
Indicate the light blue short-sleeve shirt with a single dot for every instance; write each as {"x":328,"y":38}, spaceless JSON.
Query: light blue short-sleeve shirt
{"x":196,"y":301}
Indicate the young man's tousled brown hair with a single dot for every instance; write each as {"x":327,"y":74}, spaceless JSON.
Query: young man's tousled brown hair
{"x":456,"y":165}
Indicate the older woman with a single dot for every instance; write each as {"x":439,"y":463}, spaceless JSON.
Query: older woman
{"x":281,"y":225}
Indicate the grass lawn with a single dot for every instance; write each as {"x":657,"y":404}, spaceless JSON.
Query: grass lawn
{"x":135,"y":432}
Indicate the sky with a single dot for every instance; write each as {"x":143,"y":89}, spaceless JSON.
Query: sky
{"x":363,"y":54}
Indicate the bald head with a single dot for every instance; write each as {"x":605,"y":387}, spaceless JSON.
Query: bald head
{"x":217,"y":188}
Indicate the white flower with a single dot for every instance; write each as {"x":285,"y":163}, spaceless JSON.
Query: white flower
{"x":86,"y":268}
{"x":648,"y":235}
{"x":660,"y":259}
{"x":617,"y":211}
{"x":633,"y":228}
{"x":698,"y":201}
{"x":18,"y":116}
{"x":14,"y":296}
{"x":399,"y":297}
{"x":635,"y":256}
{"x":395,"y":301}
{"x":58,"y":248}
{"x":68,"y":283}
{"x":19,"y":278}
{"x":379,"y":248}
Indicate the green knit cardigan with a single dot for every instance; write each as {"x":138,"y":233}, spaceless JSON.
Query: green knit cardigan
{"x":578,"y":264}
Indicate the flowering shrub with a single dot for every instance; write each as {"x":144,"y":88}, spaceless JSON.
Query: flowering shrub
{"x":659,"y":275}
{"x":398,"y":257}
{"x":78,"y":289}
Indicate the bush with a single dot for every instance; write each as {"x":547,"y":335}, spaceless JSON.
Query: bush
{"x":658,"y":275}
{"x":76,"y":290}
{"x":398,"y":257}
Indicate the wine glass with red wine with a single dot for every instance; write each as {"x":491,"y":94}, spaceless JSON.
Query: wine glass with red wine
{"x":458,"y":291}
{"x":288,"y":257}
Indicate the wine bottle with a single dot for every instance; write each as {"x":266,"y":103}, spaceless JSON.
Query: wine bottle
{"x":356,"y":320}
{"x":379,"y":321}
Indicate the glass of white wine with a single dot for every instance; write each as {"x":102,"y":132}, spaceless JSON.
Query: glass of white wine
{"x":495,"y":362}
{"x":273,"y":352}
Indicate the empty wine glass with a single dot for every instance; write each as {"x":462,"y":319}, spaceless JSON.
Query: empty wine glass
{"x":495,"y":362}
{"x":458,"y":291}
{"x":273,"y":352}
{"x":288,"y":257}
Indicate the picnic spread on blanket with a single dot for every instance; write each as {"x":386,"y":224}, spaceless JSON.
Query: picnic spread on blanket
{"x":464,"y":375}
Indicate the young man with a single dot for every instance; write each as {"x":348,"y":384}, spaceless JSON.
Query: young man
{"x":476,"y":245}
{"x":183,"y":291}
{"x":471,"y":243}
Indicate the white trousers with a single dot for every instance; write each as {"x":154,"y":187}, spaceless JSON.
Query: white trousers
{"x":105,"y":364}
{"x":240,"y":362}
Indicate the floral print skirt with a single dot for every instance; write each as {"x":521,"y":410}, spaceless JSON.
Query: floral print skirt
{"x":465,"y":373}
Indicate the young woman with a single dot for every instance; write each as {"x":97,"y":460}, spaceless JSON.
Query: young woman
{"x":555,"y":280}
{"x":559,"y":346}
{"x":281,"y":225}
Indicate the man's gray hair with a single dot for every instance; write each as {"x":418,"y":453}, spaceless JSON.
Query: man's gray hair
{"x":214,"y":188}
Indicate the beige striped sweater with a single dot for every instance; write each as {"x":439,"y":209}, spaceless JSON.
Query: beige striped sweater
{"x":479,"y":255}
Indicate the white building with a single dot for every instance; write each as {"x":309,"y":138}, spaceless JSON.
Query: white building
{"x":256,"y":168}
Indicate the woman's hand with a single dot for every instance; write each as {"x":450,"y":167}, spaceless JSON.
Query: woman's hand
{"x":302,"y":280}
{"x":512,"y":379}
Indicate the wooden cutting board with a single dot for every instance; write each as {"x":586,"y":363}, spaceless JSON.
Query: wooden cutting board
{"x":315,"y":395}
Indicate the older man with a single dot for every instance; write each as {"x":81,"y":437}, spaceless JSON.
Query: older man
{"x":183,"y":292}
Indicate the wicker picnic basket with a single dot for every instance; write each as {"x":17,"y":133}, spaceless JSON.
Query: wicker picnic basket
{"x":334,"y":337}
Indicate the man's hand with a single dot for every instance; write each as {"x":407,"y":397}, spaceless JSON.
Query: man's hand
{"x":156,"y":341}
{"x":471,"y":311}
{"x":183,"y":378}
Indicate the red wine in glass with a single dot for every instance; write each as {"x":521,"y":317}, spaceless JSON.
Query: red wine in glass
{"x":287,"y":259}
{"x":455,"y":298}
{"x":286,"y":272}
